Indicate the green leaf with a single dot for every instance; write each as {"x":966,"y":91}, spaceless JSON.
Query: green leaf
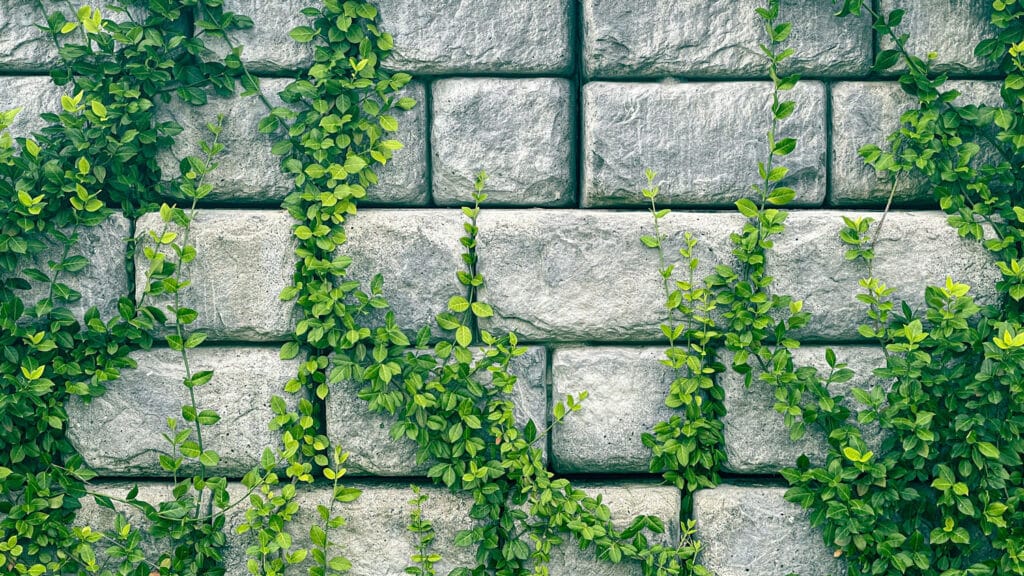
{"x":747,"y":208}
{"x":464,"y":336}
{"x":482,"y":310}
{"x":303,"y":34}
{"x":209,"y":458}
{"x":289,"y":350}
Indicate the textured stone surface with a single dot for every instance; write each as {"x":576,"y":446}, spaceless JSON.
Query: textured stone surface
{"x":120,"y":436}
{"x":33,"y":94}
{"x":267,"y":47}
{"x":625,"y":500}
{"x":951,"y":28}
{"x":866,"y":113}
{"x":418,"y":253}
{"x":23,"y":47}
{"x":627,"y":389}
{"x":704,"y":140}
{"x":752,"y":530}
{"x":756,"y":438}
{"x":478,"y":36}
{"x":705,"y":38}
{"x":245,"y":258}
{"x":103,"y":281}
{"x":519,"y":130}
{"x":808,"y":263}
{"x":561,"y":275}
{"x":366,"y":437}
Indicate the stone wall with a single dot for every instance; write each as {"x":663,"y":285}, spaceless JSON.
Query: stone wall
{"x":564,"y":103}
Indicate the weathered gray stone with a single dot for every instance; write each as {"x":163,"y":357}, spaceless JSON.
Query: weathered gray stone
{"x":23,"y":47}
{"x":267,"y":47}
{"x":704,"y":140}
{"x":121,"y":432}
{"x":244,"y":259}
{"x":560,"y":275}
{"x":35,"y":95}
{"x":950,"y":28}
{"x":627,"y":389}
{"x":478,"y":36}
{"x":418,"y":253}
{"x":519,"y":130}
{"x":248,"y":173}
{"x":756,"y":438}
{"x":752,"y":530}
{"x":625,"y":501}
{"x":663,"y":38}
{"x":102,"y":282}
{"x":866,"y":113}
{"x":365,"y":436}
{"x":916,"y":249}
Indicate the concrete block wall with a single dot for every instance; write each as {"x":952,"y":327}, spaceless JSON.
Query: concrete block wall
{"x":564,"y":103}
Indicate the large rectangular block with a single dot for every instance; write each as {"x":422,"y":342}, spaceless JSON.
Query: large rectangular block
{"x":627,"y":389}
{"x":102,"y":282}
{"x":365,"y":436}
{"x":703,"y":139}
{"x":654,"y":39}
{"x":915,"y":250}
{"x":23,"y":47}
{"x":520,"y":131}
{"x":436,"y":37}
{"x":248,"y":173}
{"x":244,"y":259}
{"x":866,"y":113}
{"x":419,"y":255}
{"x":121,"y":432}
{"x":580,"y":276}
{"x":756,"y":438}
{"x":35,"y":95}
{"x":753,"y":530}
{"x":949,"y":28}
{"x":267,"y":47}
{"x":572,"y":276}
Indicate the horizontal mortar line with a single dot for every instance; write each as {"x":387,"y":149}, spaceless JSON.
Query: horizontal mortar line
{"x":615,"y":210}
{"x":738,"y":79}
{"x":644,"y":344}
{"x":350,"y":479}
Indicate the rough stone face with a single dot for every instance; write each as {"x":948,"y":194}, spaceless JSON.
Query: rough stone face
{"x":752,"y":530}
{"x":808,"y":263}
{"x":951,"y":28}
{"x":267,"y":47}
{"x":103,"y":281}
{"x":704,"y":141}
{"x":478,"y":36}
{"x":519,"y":130}
{"x":418,"y":253}
{"x":245,"y":258}
{"x":120,"y":436}
{"x":23,"y":47}
{"x":663,"y":38}
{"x":625,"y":501}
{"x":366,"y":437}
{"x":248,"y":173}
{"x":756,"y":438}
{"x":627,"y":389}
{"x":567,"y":276}
{"x":33,"y":94}
{"x":866,"y":113}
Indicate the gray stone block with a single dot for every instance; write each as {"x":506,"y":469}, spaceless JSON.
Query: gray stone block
{"x":519,"y":130}
{"x":23,"y":47}
{"x":102,"y":282}
{"x":808,"y":264}
{"x":756,"y":438}
{"x":704,"y":140}
{"x":584,"y":276}
{"x":121,"y":432}
{"x":866,"y":113}
{"x":366,"y":437}
{"x":625,"y":39}
{"x":627,"y":389}
{"x":478,"y":36}
{"x":753,"y":530}
{"x":418,"y":253}
{"x":950,"y":28}
{"x":244,"y":259}
{"x":267,"y":47}
{"x":248,"y":173}
{"x":35,"y":95}
{"x":625,"y":500}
